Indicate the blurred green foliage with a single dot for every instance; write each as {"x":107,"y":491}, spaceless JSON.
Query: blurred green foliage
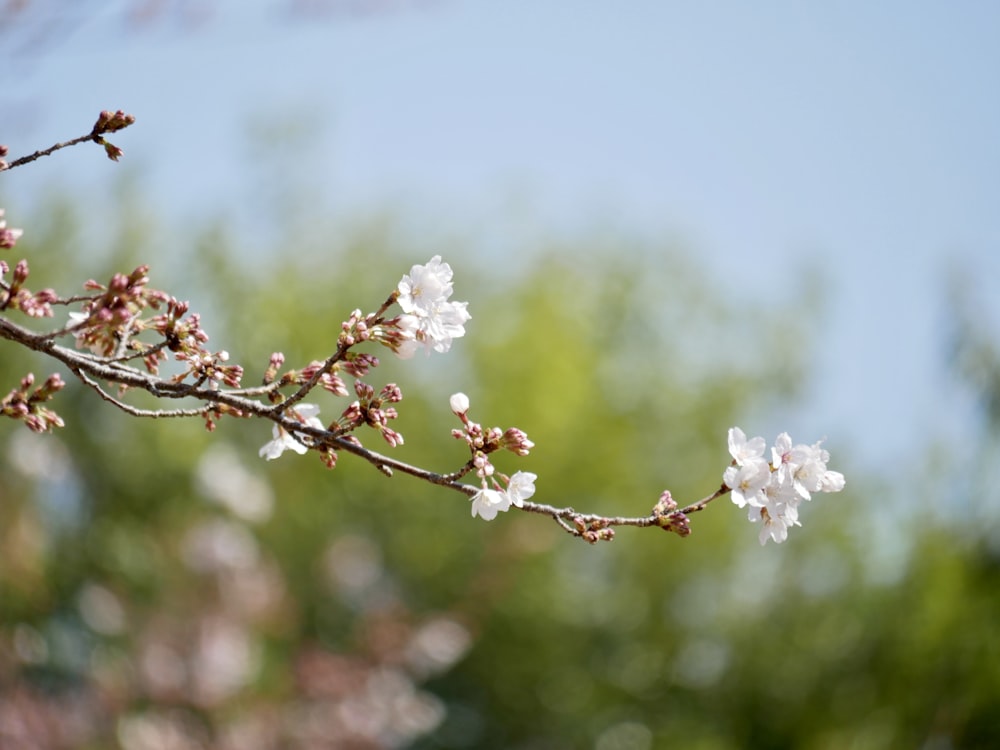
{"x":162,"y":585}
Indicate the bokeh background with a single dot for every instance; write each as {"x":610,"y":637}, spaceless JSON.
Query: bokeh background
{"x":668,"y":219}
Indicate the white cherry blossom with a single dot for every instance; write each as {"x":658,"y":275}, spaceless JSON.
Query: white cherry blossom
{"x":283,"y":440}
{"x":487,"y":503}
{"x":521,"y":487}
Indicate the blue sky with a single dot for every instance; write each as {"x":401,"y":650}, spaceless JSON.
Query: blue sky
{"x":859,"y":136}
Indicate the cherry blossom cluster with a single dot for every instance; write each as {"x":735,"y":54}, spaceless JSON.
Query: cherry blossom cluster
{"x":772,"y":490}
{"x":497,"y":491}
{"x":429,"y":318}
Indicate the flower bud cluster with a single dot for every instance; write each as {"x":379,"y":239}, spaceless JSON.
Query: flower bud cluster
{"x":273,"y":365}
{"x":27,"y":407}
{"x":772,"y":490}
{"x":493,"y":497}
{"x":370,"y":409}
{"x":111,"y":122}
{"x":482,"y":442}
{"x":108,"y":319}
{"x":429,"y":318}
{"x":328,"y":381}
{"x":357,"y":328}
{"x":595,"y":531}
{"x":669,"y":518}
{"x":17,"y":297}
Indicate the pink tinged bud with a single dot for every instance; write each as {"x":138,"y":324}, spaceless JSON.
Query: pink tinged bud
{"x":329,"y":457}
{"x":516,"y":441}
{"x":665,"y":504}
{"x":310,"y":370}
{"x":20,"y":272}
{"x":232,"y":376}
{"x":391,"y":393}
{"x":333,"y":384}
{"x":678,"y":523}
{"x":392,"y":437}
{"x":459,"y":403}
{"x":54,"y":382}
{"x":114,"y":152}
{"x":51,"y":419}
{"x":353,"y":414}
{"x":596,"y":531}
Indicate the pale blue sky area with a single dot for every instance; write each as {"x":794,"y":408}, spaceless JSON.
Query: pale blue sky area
{"x":864,"y":137}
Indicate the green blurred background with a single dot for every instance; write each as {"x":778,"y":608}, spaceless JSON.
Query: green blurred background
{"x":162,"y":588}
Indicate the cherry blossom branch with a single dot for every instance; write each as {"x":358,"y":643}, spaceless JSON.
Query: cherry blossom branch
{"x":113,"y":328}
{"x":112,"y":323}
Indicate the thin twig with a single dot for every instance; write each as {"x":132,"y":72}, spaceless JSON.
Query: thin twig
{"x":51,"y":150}
{"x":136,"y":412}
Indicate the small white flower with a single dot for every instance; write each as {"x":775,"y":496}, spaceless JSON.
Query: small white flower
{"x":425,"y":287}
{"x":75,"y":318}
{"x":807,"y":472}
{"x":775,"y":522}
{"x":748,"y":482}
{"x":521,"y":487}
{"x":743,"y":450}
{"x":283,"y":440}
{"x":487,"y":503}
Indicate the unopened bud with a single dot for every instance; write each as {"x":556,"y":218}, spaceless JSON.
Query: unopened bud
{"x":459,"y":403}
{"x":114,"y":152}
